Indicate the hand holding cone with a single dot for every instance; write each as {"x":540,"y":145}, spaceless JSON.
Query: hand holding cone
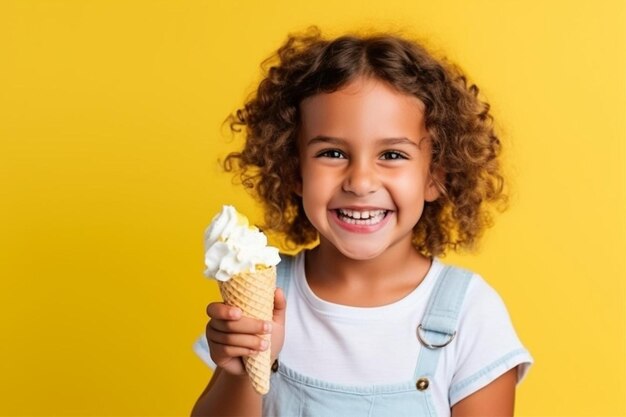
{"x":253,"y":293}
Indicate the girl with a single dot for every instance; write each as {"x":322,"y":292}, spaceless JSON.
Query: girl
{"x":387,"y":159}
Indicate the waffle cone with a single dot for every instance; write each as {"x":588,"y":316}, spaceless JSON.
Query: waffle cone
{"x":253,"y":293}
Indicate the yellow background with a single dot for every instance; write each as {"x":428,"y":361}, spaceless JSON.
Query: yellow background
{"x":110,"y":116}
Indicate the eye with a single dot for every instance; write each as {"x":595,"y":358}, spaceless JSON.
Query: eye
{"x":330,"y":153}
{"x":392,"y":155}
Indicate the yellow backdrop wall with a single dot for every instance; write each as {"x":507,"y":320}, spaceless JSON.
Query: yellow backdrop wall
{"x":110,"y":118}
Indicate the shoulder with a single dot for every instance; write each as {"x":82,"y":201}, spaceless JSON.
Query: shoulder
{"x":483,"y":300}
{"x":287,"y":263}
{"x":480,"y":307}
{"x":286,"y":268}
{"x":483,"y":312}
{"x":487,"y":344}
{"x":288,"y":258}
{"x":478,"y":297}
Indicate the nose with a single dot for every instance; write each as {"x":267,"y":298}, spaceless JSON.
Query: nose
{"x":361,"y":179}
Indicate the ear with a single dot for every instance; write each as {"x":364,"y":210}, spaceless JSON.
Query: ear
{"x":434,"y":185}
{"x":298,"y":187}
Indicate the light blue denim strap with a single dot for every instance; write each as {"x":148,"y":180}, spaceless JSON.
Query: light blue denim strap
{"x":439,"y":324}
{"x":283,"y":272}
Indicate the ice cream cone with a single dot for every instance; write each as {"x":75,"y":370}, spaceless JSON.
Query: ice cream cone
{"x":253,"y":293}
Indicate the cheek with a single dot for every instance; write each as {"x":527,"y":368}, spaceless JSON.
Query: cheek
{"x":318,"y":188}
{"x":314,"y":186}
{"x":406,"y":176}
{"x":407,"y":187}
{"x":316,"y":178}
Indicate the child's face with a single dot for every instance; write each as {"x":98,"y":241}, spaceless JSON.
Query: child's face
{"x":364,"y":158}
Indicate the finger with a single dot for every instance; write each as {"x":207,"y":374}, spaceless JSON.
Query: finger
{"x":248,"y":341}
{"x":280,"y":307}
{"x":220,"y":353}
{"x":223,"y":311}
{"x":245,"y":325}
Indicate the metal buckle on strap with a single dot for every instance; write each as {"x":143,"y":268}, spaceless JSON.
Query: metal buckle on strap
{"x":429,"y":345}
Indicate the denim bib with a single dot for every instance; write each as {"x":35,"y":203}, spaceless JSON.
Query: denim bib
{"x":296,"y":395}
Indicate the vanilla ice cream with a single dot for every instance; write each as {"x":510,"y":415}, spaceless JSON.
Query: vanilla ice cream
{"x":233,"y":246}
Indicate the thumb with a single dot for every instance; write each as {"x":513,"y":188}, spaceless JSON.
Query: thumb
{"x":280,"y":304}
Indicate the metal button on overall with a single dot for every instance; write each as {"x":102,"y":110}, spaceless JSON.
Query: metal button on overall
{"x":422,"y":384}
{"x":275,"y":366}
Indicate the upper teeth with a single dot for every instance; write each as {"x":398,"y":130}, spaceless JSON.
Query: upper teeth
{"x":365,"y":214}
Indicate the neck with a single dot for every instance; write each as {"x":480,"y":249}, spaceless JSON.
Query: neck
{"x":398,"y":268}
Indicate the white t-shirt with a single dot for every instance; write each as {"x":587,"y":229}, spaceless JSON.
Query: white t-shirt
{"x":379,"y":345}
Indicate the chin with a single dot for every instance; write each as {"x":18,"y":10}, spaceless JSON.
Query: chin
{"x":361,"y":254}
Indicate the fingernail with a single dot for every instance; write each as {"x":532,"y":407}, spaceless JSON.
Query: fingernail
{"x":264,"y":344}
{"x":235,"y":313}
{"x":267,"y":327}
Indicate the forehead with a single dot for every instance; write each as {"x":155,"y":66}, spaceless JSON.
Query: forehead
{"x":365,"y":107}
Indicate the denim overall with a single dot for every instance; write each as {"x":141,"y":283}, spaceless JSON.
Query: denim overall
{"x":295,"y":395}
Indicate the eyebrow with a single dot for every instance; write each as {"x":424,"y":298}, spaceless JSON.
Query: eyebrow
{"x":339,"y":141}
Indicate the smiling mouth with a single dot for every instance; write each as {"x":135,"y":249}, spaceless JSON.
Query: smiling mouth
{"x":365,"y":217}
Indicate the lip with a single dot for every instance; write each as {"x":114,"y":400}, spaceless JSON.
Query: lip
{"x":361,"y":228}
{"x":359,"y":208}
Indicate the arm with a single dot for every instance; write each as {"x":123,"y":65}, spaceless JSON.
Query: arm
{"x":228,"y":395}
{"x":230,"y":337}
{"x":494,"y":400}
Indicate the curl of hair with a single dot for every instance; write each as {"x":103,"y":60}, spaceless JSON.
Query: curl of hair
{"x":465,"y":159}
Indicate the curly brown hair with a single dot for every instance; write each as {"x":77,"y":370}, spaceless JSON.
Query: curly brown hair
{"x":464,"y":146}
